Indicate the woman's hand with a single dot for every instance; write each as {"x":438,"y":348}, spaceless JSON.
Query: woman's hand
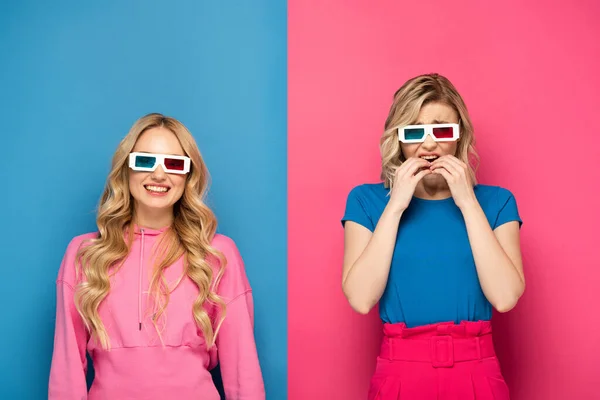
{"x":456,"y":174}
{"x":406,"y":178}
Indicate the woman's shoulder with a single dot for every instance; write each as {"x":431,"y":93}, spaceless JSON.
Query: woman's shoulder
{"x":369,"y":190}
{"x":66,"y":272}
{"x":492,"y":190}
{"x":228,"y":248}
{"x":224,"y":244}
{"x":370,"y":187}
{"x":494,"y":198}
{"x":234,"y":281}
{"x":78,"y":241}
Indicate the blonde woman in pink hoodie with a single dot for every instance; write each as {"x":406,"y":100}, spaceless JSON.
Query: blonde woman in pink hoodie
{"x":156,"y":297}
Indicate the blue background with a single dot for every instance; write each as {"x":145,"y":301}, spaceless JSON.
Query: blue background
{"x":73,"y":79}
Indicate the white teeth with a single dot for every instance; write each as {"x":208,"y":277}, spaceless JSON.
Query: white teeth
{"x":159,"y":189}
{"x":429,"y":157}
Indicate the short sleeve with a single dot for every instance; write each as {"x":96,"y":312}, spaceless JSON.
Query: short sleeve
{"x":508,"y":210}
{"x":356,"y":209}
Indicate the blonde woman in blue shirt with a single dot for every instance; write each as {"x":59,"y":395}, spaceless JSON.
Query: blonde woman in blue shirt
{"x":435,"y":249}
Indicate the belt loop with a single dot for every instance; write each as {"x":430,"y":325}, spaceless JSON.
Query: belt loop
{"x":473,"y":328}
{"x":478,"y":341}
{"x":391,"y":345}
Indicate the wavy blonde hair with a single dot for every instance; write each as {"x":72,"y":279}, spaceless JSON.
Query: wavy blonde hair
{"x":408,"y":101}
{"x":193,"y":228}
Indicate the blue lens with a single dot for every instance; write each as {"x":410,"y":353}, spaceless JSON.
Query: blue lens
{"x":414,"y":133}
{"x":145,"y":161}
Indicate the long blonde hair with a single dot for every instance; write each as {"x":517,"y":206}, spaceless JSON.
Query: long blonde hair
{"x":408,"y":100}
{"x":193,"y":228}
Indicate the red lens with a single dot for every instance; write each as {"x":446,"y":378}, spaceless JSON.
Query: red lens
{"x":443,"y":133}
{"x":174,"y":164}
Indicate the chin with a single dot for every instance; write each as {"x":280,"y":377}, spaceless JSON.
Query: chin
{"x":156,"y":204}
{"x":433,"y":178}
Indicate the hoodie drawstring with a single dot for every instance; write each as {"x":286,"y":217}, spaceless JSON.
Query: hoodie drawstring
{"x":140,"y":282}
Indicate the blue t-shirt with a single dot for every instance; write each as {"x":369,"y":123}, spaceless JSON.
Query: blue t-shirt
{"x":432,"y":276}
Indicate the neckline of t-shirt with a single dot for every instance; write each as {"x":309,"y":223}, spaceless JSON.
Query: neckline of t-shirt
{"x":445,"y":200}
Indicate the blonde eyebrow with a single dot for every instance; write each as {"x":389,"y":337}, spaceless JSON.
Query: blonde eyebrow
{"x":435,"y":122}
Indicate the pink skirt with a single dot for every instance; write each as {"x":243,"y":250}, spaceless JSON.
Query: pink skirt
{"x":444,"y":361}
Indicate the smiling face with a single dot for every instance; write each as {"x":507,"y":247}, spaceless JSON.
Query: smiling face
{"x":432,"y":113}
{"x":155,"y":193}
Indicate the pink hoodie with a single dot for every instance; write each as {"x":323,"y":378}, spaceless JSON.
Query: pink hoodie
{"x":138,"y":366}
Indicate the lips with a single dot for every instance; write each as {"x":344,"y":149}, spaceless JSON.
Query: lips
{"x":429,"y":157}
{"x":158,"y":189}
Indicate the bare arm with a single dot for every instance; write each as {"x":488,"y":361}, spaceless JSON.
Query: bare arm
{"x":497,"y":253}
{"x":368,"y":256}
{"x":497,"y":257}
{"x":367,"y":260}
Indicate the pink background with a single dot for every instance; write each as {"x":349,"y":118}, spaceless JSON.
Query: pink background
{"x":530,"y":75}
